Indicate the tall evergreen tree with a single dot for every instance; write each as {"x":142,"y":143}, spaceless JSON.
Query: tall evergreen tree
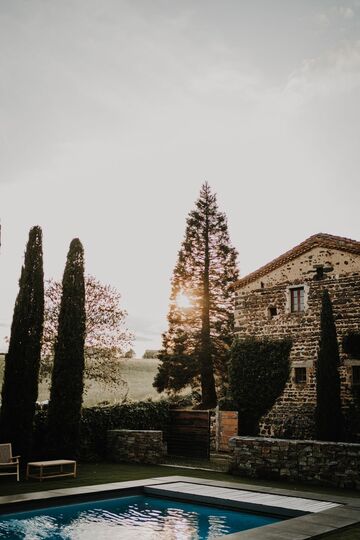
{"x":20,"y":385}
{"x":68,"y":371}
{"x":328,"y":414}
{"x":201,"y":319}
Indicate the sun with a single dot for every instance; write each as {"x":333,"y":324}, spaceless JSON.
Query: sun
{"x":183,"y":301}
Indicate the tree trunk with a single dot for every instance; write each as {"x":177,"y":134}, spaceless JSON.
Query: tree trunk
{"x":208,"y":391}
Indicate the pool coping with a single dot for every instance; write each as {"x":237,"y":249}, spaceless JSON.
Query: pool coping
{"x":304,"y":527}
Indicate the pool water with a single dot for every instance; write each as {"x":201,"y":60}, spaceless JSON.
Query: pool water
{"x":136,"y":517}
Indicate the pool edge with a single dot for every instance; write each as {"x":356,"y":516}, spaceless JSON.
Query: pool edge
{"x":303,"y":527}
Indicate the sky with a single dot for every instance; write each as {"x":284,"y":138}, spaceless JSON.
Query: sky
{"x":113,"y":113}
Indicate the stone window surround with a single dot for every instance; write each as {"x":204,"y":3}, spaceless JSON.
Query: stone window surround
{"x":308,"y":364}
{"x":306,"y":288}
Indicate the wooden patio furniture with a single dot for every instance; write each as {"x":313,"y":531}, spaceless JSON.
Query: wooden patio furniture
{"x":8,"y":461}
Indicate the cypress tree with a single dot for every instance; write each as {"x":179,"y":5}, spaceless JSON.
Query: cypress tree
{"x":196,"y":345}
{"x":328,"y":415}
{"x":20,"y":385}
{"x":68,"y":371}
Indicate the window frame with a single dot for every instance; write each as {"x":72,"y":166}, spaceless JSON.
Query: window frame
{"x":300,"y":299}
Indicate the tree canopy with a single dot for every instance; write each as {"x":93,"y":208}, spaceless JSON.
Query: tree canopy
{"x":106,"y":335}
{"x":201,"y":318}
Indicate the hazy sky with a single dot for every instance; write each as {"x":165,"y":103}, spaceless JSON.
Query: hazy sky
{"x":113,"y":113}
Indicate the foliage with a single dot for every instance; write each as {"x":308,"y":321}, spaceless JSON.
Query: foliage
{"x":351,"y":344}
{"x":20,"y":386}
{"x":258,"y":372}
{"x":95,"y":422}
{"x":106,"y":336}
{"x":68,"y":372}
{"x":149,"y":354}
{"x":328,"y":415}
{"x":200,"y":332}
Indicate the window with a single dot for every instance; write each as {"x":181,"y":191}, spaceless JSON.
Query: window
{"x":272,"y":312}
{"x":356,"y":375}
{"x":319,"y":273}
{"x":300,"y":375}
{"x":297,"y":299}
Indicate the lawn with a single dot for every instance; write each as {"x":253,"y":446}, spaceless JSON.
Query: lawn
{"x":138,"y":373}
{"x":101,"y":473}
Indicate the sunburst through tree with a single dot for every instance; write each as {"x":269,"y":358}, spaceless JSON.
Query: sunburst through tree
{"x":201,"y":320}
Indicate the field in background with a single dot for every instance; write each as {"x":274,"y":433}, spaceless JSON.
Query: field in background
{"x":136,"y":372}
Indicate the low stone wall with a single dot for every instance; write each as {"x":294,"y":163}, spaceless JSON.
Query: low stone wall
{"x":315,"y":462}
{"x":134,"y":446}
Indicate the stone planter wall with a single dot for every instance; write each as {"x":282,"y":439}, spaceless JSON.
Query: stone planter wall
{"x":315,"y":462}
{"x":135,"y":446}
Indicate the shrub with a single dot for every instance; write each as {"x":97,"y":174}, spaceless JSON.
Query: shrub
{"x":258,"y":372}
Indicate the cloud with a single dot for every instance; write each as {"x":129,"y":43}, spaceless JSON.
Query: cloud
{"x":335,"y":72}
{"x":334,"y":14}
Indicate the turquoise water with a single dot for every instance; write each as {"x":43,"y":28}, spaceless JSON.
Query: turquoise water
{"x":128,"y":518}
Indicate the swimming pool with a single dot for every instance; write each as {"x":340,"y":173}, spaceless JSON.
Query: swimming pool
{"x":127,"y":518}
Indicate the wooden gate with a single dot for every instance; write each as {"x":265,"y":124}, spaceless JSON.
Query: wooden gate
{"x":189,"y":433}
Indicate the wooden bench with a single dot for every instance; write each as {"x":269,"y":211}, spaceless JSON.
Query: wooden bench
{"x":51,"y":469}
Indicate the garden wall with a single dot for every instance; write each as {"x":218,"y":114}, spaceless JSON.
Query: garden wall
{"x":135,"y":446}
{"x":315,"y":462}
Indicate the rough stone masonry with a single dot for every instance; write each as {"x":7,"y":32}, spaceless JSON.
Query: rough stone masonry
{"x":314,"y":462}
{"x":268,"y":303}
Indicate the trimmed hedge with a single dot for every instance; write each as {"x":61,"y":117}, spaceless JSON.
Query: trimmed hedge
{"x":96,"y":421}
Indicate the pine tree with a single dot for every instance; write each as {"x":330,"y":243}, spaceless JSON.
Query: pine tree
{"x":20,"y":386}
{"x":328,"y":415}
{"x":196,"y":345}
{"x":68,"y":371}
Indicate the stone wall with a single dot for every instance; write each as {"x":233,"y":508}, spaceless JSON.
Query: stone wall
{"x":314,"y":462}
{"x":135,"y":446}
{"x":293,"y":411}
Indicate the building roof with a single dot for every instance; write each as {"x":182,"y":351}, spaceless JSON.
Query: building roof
{"x":324,"y":240}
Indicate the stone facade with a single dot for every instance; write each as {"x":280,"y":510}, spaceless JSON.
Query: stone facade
{"x":263,"y":308}
{"x":135,"y":446}
{"x":314,"y":462}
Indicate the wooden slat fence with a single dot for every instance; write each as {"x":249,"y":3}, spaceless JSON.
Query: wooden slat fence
{"x":189,"y":433}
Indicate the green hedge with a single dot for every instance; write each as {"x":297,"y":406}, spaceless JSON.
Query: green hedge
{"x":96,"y":421}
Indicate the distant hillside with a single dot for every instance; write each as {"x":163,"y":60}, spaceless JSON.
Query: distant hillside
{"x":138,"y":374}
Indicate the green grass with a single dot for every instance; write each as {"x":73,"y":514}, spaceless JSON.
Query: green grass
{"x":138,"y":373}
{"x":102,"y":473}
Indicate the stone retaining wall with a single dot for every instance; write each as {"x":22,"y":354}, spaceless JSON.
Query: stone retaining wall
{"x":135,"y":446}
{"x":315,"y":462}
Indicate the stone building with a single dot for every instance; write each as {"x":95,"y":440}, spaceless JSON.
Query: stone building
{"x":283,"y":298}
